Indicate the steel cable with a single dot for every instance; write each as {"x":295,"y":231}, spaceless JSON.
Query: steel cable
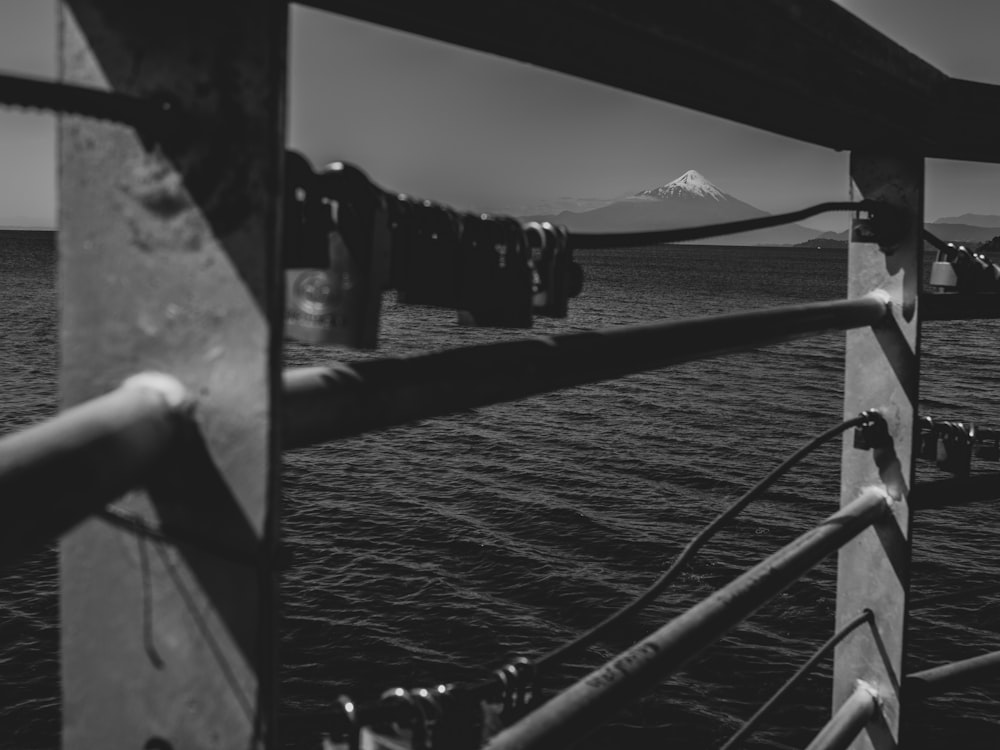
{"x":582,"y":240}
{"x":526,"y":672}
{"x":702,"y":538}
{"x":884,"y":217}
{"x":54,"y":96}
{"x":950,"y":251}
{"x":750,"y":724}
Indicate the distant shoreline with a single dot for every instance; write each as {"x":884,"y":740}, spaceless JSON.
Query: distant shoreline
{"x":28,"y":234}
{"x":48,"y":237}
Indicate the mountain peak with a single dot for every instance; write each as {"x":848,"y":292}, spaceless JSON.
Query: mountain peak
{"x":690,"y":185}
{"x":689,"y":201}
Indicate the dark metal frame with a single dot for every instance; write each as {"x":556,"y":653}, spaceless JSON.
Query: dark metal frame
{"x":168,"y":264}
{"x":808,"y":70}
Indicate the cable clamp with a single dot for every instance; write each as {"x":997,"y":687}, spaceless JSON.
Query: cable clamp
{"x":873,"y":432}
{"x":518,"y":687}
{"x":886,"y":225}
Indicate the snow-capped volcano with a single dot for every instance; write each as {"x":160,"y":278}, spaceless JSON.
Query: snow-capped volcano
{"x":688,"y":201}
{"x":691,"y":184}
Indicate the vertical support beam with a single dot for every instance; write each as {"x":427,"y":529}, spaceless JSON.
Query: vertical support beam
{"x":882,"y":372}
{"x":167,"y":263}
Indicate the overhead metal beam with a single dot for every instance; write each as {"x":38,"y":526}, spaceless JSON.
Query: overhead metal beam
{"x":811,"y":71}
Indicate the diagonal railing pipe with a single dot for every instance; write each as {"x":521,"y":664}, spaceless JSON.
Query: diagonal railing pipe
{"x":56,"y":473}
{"x":591,"y":701}
{"x":326,"y":403}
{"x":806,"y":669}
{"x":852,"y":716}
{"x":948,"y":677}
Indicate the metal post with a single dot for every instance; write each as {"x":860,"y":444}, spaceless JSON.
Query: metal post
{"x":167,"y":263}
{"x":881,"y":372}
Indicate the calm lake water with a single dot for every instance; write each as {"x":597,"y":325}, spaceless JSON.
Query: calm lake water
{"x":437,"y":552}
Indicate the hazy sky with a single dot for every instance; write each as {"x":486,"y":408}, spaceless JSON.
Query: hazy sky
{"x":480,"y":132}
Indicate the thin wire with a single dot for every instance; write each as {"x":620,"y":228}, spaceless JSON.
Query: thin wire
{"x":586,"y":240}
{"x":34,"y":93}
{"x":139,"y":526}
{"x":805,"y":669}
{"x":644,"y":599}
{"x":488,"y":688}
{"x":950,"y":252}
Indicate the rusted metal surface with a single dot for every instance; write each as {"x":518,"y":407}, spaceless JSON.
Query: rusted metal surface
{"x":324,"y":403}
{"x":592,"y":700}
{"x":810,"y":71}
{"x":857,"y":711}
{"x":881,"y":372}
{"x":56,"y":473}
{"x":167,"y":264}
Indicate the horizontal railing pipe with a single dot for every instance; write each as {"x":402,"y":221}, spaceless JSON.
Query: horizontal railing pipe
{"x":850,"y":719}
{"x":946,"y":493}
{"x":947,"y":677}
{"x":326,"y":403}
{"x":592,"y":700}
{"x":959,"y":306}
{"x":55,"y":473}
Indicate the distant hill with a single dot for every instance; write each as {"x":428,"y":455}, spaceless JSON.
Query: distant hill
{"x":959,"y":233}
{"x":689,"y":201}
{"x":991,"y":248}
{"x":991,"y":221}
{"x":825,"y":243}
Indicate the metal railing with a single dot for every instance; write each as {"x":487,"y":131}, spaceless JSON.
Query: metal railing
{"x":81,"y":460}
{"x":856,"y":712}
{"x":57,"y":473}
{"x":325,"y":403}
{"x":87,"y":456}
{"x":580,"y":707}
{"x":948,"y":677}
